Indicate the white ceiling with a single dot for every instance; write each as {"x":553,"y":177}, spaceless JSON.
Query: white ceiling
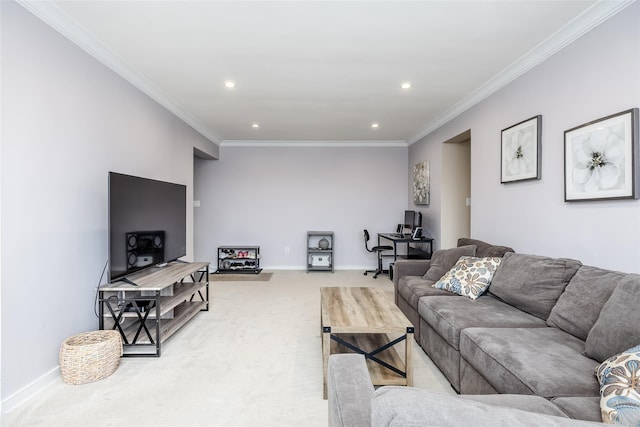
{"x":322,"y":70}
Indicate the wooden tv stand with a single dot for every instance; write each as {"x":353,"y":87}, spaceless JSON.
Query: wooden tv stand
{"x":153,"y":304}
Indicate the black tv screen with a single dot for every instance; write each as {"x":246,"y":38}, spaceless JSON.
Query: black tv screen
{"x":147,"y":223}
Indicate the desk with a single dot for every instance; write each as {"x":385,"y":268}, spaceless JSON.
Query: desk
{"x":396,"y":238}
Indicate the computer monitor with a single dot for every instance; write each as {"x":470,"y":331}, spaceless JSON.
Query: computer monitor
{"x":409,"y":220}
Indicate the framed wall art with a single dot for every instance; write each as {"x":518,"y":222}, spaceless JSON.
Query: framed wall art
{"x":521,"y":151}
{"x":601,"y":159}
{"x":421,"y":183}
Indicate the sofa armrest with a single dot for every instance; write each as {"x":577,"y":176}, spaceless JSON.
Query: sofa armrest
{"x":408,"y":267}
{"x":349,"y":391}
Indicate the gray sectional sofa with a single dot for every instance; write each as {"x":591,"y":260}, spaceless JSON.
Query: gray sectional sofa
{"x":538,"y":333}
{"x":353,"y":402}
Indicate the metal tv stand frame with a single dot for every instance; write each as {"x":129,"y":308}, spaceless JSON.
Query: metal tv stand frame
{"x":161,"y":301}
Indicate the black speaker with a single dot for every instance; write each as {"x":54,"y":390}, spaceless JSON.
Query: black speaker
{"x":145,"y":240}
{"x":132,"y":240}
{"x":144,"y":248}
{"x":132,"y":259}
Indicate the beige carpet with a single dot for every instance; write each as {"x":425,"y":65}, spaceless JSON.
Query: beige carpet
{"x":253,"y":360}
{"x":244,"y":277}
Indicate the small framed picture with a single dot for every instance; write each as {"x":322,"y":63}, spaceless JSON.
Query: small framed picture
{"x":601,"y":159}
{"x":421,"y":183}
{"x":521,"y":151}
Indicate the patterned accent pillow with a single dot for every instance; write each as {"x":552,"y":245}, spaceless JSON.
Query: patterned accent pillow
{"x":619,"y":378}
{"x":470,"y":276}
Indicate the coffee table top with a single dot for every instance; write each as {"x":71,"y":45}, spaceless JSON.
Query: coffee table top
{"x":361,"y":310}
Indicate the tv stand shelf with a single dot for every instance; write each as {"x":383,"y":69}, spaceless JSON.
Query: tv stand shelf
{"x":152,"y":305}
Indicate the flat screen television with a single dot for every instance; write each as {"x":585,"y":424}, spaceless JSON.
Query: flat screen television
{"x":147,"y":223}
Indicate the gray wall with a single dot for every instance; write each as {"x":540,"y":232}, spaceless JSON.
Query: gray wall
{"x":66,"y":121}
{"x":271,"y":196}
{"x":596,"y":76}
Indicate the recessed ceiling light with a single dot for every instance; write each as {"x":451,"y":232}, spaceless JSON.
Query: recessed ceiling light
{"x":405,"y":85}
{"x":374,"y":125}
{"x":229,"y":84}
{"x":255,"y":125}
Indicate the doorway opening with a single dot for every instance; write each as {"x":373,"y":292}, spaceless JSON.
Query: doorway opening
{"x":456,"y":189}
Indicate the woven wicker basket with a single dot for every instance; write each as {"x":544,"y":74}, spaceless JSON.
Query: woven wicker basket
{"x":90,"y":356}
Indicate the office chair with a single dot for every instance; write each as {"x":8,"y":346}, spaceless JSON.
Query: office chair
{"x":378,"y":250}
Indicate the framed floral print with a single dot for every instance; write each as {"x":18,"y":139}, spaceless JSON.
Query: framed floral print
{"x":421,"y":183}
{"x":601,"y":159}
{"x":521,"y":151}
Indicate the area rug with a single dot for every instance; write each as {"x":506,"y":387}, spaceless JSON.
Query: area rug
{"x":246,"y":277}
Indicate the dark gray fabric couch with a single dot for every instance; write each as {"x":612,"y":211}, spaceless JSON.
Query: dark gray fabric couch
{"x":541,"y":328}
{"x":353,"y":402}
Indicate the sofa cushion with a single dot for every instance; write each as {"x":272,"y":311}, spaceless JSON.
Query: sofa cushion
{"x":445,"y":357}
{"x":579,"y":306}
{"x":619,"y":378}
{"x":546,"y":362}
{"x":449,"y":316}
{"x":408,"y":406}
{"x":532,"y":283}
{"x":518,"y":401}
{"x":582,"y":408}
{"x":443,"y":259}
{"x":617,"y":326}
{"x":470,"y":277}
{"x":412,"y":288}
{"x":484,"y":249}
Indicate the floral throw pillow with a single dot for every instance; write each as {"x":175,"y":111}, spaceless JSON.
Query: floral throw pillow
{"x":619,"y":378}
{"x":470,"y":276}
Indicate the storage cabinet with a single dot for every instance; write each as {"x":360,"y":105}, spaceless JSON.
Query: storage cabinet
{"x":239,"y":259}
{"x":153,"y":304}
{"x":320,"y":251}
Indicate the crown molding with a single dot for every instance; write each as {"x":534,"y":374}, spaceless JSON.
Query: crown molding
{"x":576,"y":28}
{"x":60,"y":21}
{"x":55,"y":17}
{"x":314,"y":143}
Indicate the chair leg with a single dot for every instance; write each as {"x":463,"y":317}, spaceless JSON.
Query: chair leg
{"x":379,"y":271}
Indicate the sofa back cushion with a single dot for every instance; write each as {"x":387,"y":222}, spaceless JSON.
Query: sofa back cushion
{"x":532,"y":283}
{"x":484,"y":249}
{"x":443,"y":259}
{"x":579,"y":306}
{"x":617,"y":328}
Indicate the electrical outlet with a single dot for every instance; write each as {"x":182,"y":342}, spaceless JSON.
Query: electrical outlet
{"x":286,"y":249}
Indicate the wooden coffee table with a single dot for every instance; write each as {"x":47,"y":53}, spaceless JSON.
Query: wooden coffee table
{"x":366,"y":321}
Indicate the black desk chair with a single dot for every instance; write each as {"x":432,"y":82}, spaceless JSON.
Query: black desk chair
{"x":378,"y":250}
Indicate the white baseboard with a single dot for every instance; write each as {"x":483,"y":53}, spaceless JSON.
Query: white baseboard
{"x":31,"y":390}
{"x":302,"y":268}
